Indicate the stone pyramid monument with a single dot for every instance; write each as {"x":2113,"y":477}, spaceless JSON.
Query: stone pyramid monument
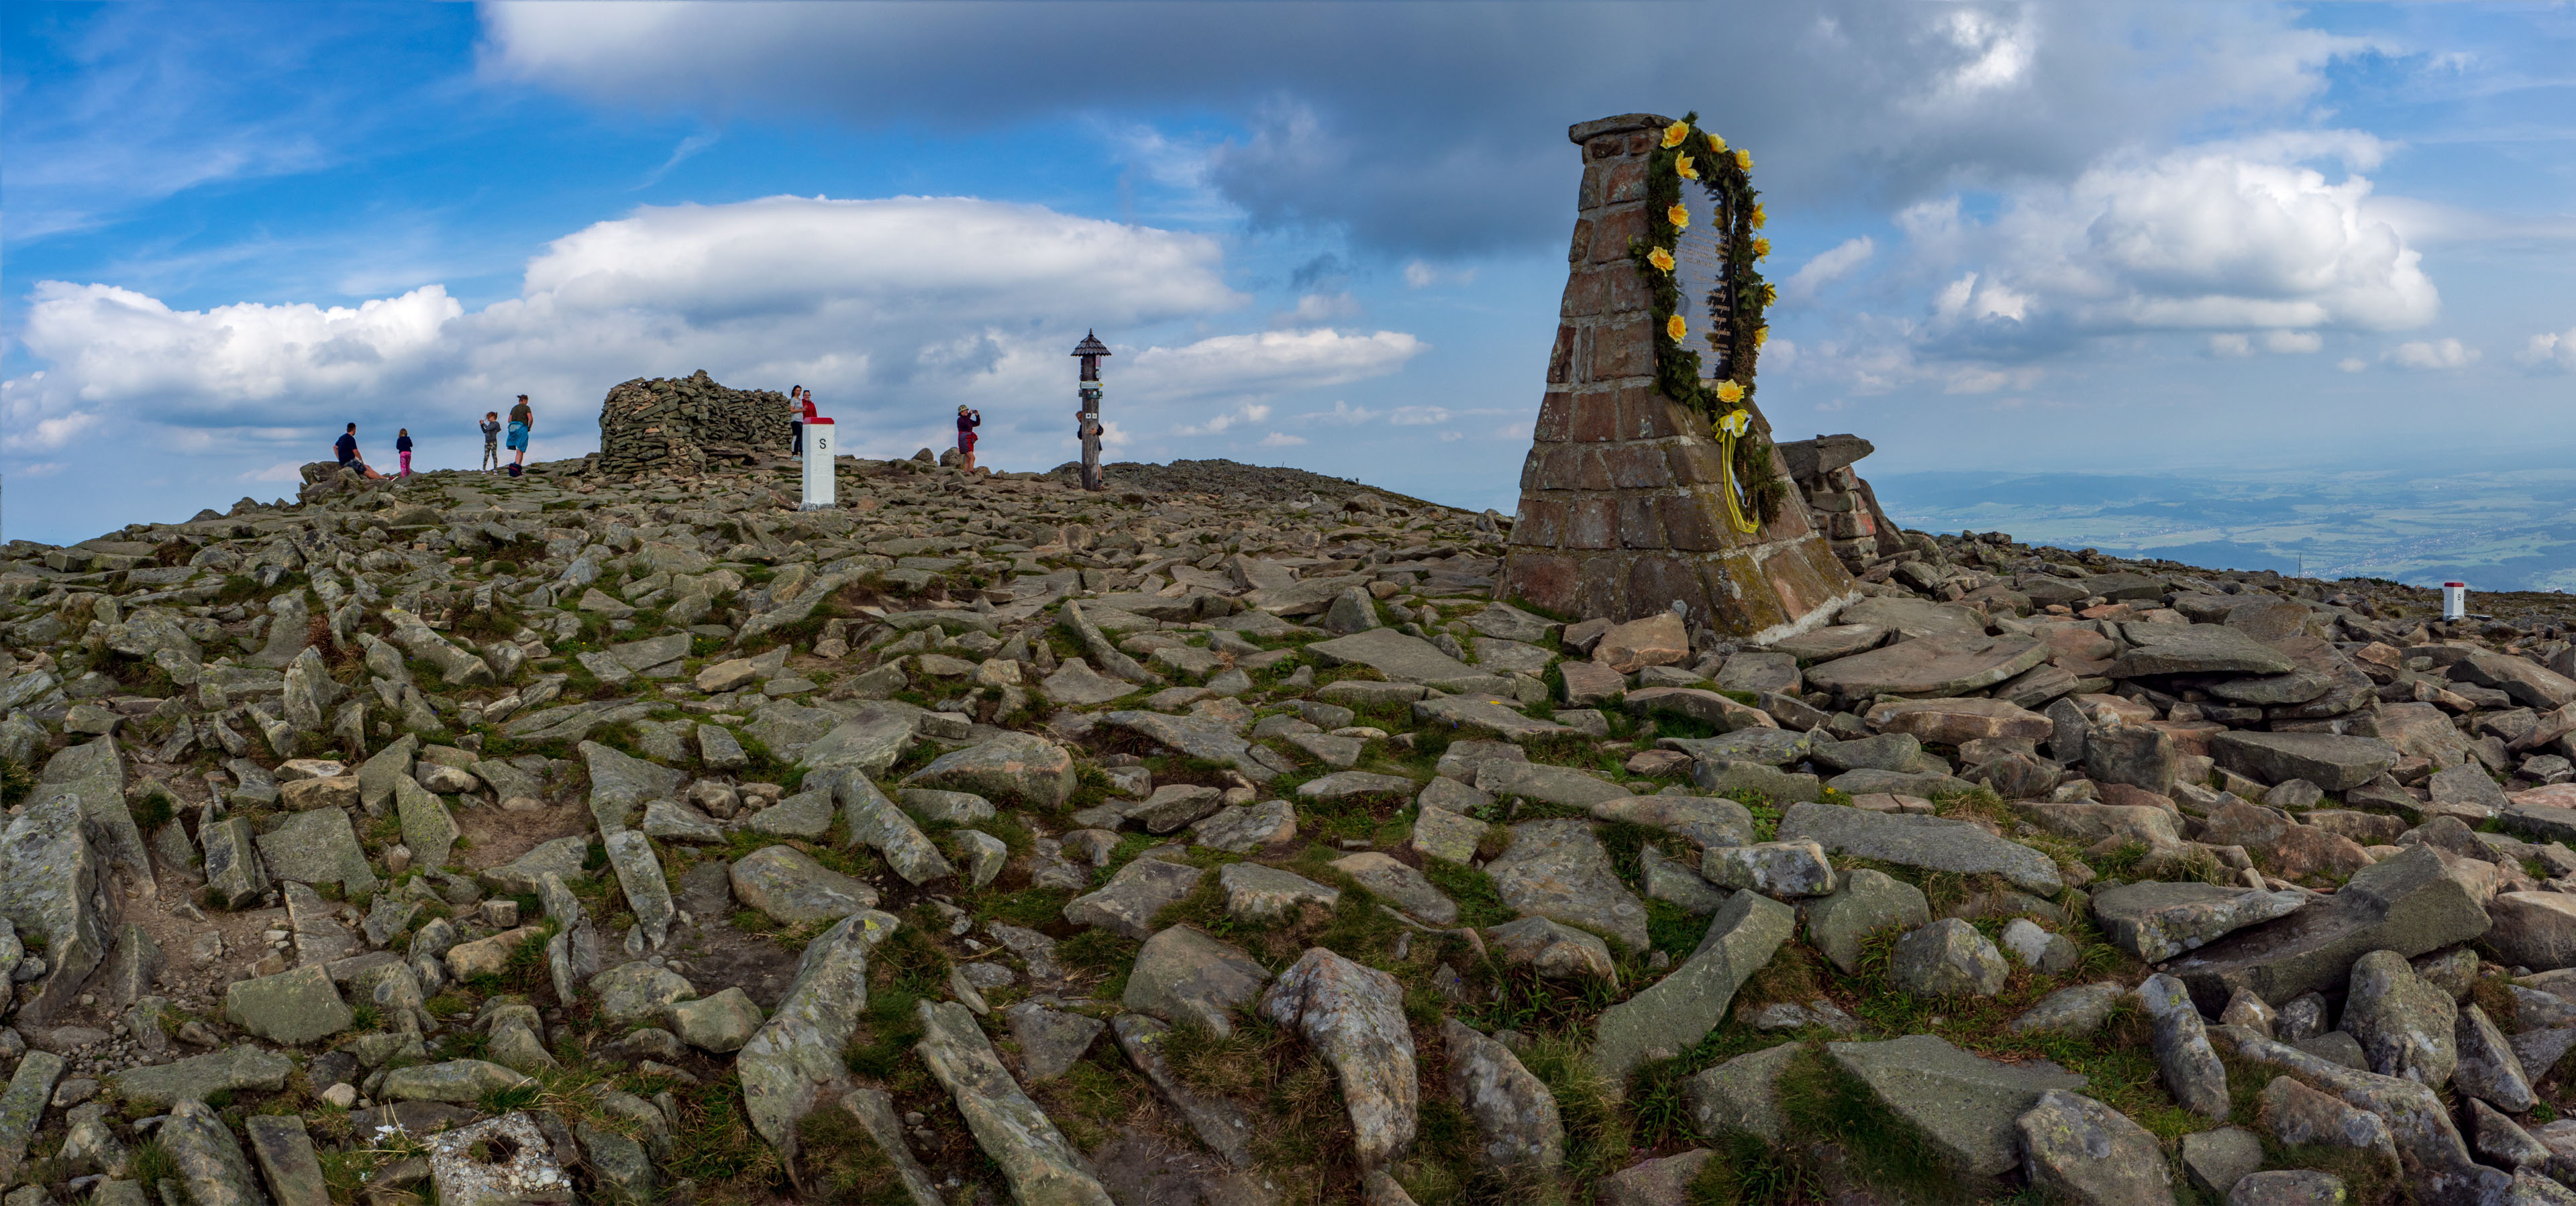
{"x":1623,"y":508}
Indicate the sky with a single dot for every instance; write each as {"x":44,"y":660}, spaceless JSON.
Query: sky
{"x":2009,"y":238}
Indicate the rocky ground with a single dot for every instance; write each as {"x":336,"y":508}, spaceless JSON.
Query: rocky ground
{"x":1218,"y":839}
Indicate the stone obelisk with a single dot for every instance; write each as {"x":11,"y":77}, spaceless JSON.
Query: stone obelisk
{"x":1621,"y":514}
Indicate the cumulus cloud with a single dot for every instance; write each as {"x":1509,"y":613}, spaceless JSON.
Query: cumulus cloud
{"x":1831,"y":265}
{"x":894,"y":311}
{"x":2211,"y":237}
{"x":2550,"y":351}
{"x":2433,"y":354}
{"x":1281,"y":439}
{"x":1349,"y":113}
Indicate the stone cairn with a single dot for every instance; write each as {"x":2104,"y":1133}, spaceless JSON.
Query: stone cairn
{"x":677,"y":424}
{"x":1839,"y":503}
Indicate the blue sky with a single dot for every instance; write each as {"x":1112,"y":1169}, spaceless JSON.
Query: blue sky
{"x":2010,"y":237}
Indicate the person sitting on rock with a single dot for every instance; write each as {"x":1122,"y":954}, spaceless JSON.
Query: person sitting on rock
{"x":347,"y":449}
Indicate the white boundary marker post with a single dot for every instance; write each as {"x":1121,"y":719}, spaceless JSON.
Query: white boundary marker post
{"x":2455,"y":600}
{"x":820,"y":486}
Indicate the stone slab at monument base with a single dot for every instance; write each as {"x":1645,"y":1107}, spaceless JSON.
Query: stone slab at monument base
{"x":1623,"y":508}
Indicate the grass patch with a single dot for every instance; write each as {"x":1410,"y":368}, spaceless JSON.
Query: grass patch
{"x":1480,"y":904}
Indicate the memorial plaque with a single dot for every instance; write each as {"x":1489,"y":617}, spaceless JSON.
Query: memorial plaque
{"x":1699,"y":268}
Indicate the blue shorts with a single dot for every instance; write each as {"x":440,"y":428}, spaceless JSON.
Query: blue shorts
{"x":519,"y":436}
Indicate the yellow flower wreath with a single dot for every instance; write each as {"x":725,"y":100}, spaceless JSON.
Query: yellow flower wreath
{"x":1661,"y":259}
{"x":1676,"y":328}
{"x":1679,"y":217}
{"x":1675,"y":133}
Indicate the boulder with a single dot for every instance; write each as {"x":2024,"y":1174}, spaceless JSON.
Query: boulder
{"x":2488,"y":1069}
{"x":1400,"y":885}
{"x":232,"y":1069}
{"x":1219,"y":1123}
{"x":1679,"y":1010}
{"x":2192,"y":1070}
{"x":1932,"y":843}
{"x":1015,"y":767}
{"x":1957,"y":721}
{"x":1782,"y":870}
{"x":2534,"y":929}
{"x":874,"y":821}
{"x":790,"y":888}
{"x":1966,"y":1107}
{"x":2332,"y":762}
{"x":1741,"y":1096}
{"x":209,"y":1165}
{"x":794,"y":1059}
{"x":2409,"y":903}
{"x":1928,"y":667}
{"x":1258,"y":893}
{"x":2436,"y":1161}
{"x":1554,"y":951}
{"x":2078,"y":1010}
{"x":1516,"y":1117}
{"x":1657,"y":640}
{"x":1353,"y":1016}
{"x":2076,"y":1149}
{"x":1126,"y":905}
{"x":2195,"y":649}
{"x":1558,"y":869}
{"x":296,"y":1006}
{"x":1867,"y":901}
{"x":2406,"y":1026}
{"x":2157,"y":920}
{"x":1034,"y":1157}
{"x":1948,"y":958}
{"x":50,"y":876}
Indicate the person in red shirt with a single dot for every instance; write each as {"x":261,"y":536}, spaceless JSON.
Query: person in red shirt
{"x":967,"y":422}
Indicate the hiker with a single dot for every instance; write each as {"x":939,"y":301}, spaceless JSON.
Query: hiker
{"x":521,"y":419}
{"x":402,"y":449}
{"x":492,"y":440}
{"x":346,"y":447}
{"x":967,"y":422}
{"x":797,"y":408}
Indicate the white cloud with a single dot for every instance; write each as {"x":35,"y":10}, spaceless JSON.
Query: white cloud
{"x":1417,"y":416}
{"x":2239,"y":344}
{"x":2433,"y":354}
{"x":2231,"y":344}
{"x":1315,"y":309}
{"x":1250,"y":412}
{"x":2550,"y":351}
{"x":1419,"y":274}
{"x":283,"y":471}
{"x":2352,"y":364}
{"x":1281,"y":439}
{"x":2291,"y":343}
{"x":1342,"y":414}
{"x":2239,"y":235}
{"x":894,"y":311}
{"x":1451,"y":437}
{"x":1829,"y":266}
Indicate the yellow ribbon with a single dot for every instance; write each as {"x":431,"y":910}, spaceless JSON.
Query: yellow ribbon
{"x":1730,"y":429}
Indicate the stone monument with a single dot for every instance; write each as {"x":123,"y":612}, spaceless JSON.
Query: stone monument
{"x":1624,"y":497}
{"x":675,"y":425}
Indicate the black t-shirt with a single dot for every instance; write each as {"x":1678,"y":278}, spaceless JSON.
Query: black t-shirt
{"x":347,"y":447}
{"x":402,"y":444}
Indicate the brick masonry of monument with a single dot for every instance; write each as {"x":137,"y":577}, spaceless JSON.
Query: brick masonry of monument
{"x":1621,"y":511}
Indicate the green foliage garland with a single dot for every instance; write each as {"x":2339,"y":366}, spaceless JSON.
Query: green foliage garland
{"x":1726,"y":175}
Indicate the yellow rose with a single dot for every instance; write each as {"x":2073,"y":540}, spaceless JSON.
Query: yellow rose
{"x":1770,"y":293}
{"x":1729,"y":392}
{"x":1758,"y":216}
{"x":1761,"y":249}
{"x":1716,"y":145}
{"x":1761,"y":335}
{"x":1660,"y":258}
{"x":1675,"y":133}
{"x":1679,"y":217}
{"x":1682,"y":167}
{"x":1744,"y":159}
{"x":1676,"y":328}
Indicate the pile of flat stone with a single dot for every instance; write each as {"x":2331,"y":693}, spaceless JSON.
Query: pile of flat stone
{"x":677,"y":424}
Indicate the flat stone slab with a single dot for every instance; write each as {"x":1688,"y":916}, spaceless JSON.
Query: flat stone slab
{"x":1182,"y":975}
{"x":1679,"y":1010}
{"x":2331,"y":761}
{"x":1929,"y":666}
{"x":1540,"y":781}
{"x":2157,"y":921}
{"x":1915,"y":619}
{"x":1391,"y":653}
{"x":1127,"y":903}
{"x":1506,"y":622}
{"x":1932,"y":843}
{"x":1770,"y":747}
{"x":1342,"y":784}
{"x":2195,"y":649}
{"x":1195,"y":736}
{"x":1075,"y":684}
{"x":320,"y":848}
{"x":790,"y":888}
{"x":235,"y":1068}
{"x":1485,"y":714}
{"x":1964,"y":1105}
{"x":1839,"y":640}
{"x":1557,"y":869}
{"x":2407,"y":903}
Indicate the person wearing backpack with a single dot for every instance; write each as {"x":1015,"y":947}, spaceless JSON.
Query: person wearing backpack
{"x":521,"y":419}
